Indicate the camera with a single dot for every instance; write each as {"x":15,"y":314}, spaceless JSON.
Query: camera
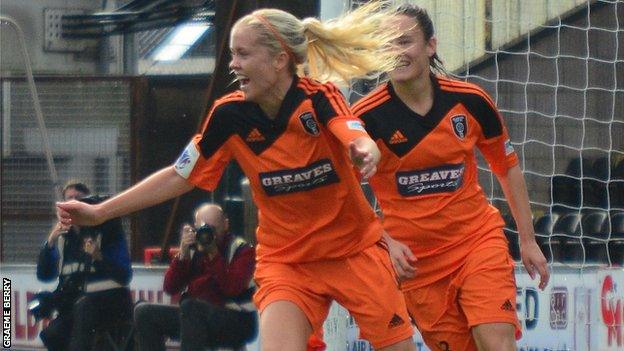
{"x":93,"y":232}
{"x":205,"y":235}
{"x":111,"y":227}
{"x":62,"y":299}
{"x":42,"y":305}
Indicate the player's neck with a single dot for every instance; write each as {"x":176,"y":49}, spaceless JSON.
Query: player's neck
{"x":417,"y":94}
{"x":272,"y":101}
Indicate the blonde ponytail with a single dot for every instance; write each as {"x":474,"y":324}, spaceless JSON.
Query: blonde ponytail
{"x":355,"y":45}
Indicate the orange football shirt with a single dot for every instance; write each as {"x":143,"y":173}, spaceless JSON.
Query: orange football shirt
{"x":426,"y":182}
{"x":310,"y":203}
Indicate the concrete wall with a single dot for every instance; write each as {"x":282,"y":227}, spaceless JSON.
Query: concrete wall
{"x":562,"y":94}
{"x":29,"y":15}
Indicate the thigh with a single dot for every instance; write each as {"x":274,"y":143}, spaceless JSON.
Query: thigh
{"x":232,"y":328}
{"x":56,"y":335}
{"x":438,"y":316}
{"x":158,"y":319}
{"x":494,"y":337}
{"x":488,"y":295}
{"x":284,"y":326}
{"x":216,"y":326}
{"x":293,"y":283}
{"x":488,"y":289}
{"x":115,"y":304}
{"x":366,"y":286}
{"x":87,"y":317}
{"x":85,"y":311}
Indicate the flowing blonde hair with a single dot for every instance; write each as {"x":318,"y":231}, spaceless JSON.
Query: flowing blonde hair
{"x":356,"y":45}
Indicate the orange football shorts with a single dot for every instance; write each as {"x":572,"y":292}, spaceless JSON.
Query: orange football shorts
{"x":364,"y":284}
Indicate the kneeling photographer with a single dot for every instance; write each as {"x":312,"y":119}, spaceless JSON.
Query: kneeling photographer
{"x":106,"y":302}
{"x":93,"y":268}
{"x":61,"y":257}
{"x":215,"y":269}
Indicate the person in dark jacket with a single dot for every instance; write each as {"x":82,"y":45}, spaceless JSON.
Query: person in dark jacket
{"x":62,"y":258}
{"x":107,"y":302}
{"x":214,"y":268}
{"x":93,"y":270}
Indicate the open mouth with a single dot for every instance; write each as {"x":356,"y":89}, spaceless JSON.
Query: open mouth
{"x":243,"y":81}
{"x":403,"y":64}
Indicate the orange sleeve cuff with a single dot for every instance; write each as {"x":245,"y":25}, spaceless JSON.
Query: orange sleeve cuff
{"x":347,"y":128}
{"x":498,"y":156}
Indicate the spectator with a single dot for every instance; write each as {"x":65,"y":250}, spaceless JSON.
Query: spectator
{"x":93,"y":277}
{"x":214,"y":269}
{"x":63,"y":246}
{"x":107,"y":300}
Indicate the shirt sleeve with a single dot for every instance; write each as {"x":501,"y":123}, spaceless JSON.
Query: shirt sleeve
{"x":203,"y":160}
{"x":47,"y":263}
{"x":178,"y":276}
{"x":332,"y":111}
{"x":493,"y":140}
{"x":115,"y":262}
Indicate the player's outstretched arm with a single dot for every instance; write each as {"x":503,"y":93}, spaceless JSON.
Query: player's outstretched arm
{"x":160,"y":186}
{"x":515,"y":190}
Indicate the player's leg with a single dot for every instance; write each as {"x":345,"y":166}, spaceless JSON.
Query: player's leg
{"x":56,"y":335}
{"x":403,"y":345}
{"x":291,"y":303}
{"x":366,"y":286}
{"x":153,"y":323}
{"x":488,"y":297}
{"x":284,"y":326}
{"x":495,"y":336}
{"x":438,"y":316}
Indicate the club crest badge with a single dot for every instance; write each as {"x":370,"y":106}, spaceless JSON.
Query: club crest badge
{"x":309,"y":124}
{"x":460,"y":126}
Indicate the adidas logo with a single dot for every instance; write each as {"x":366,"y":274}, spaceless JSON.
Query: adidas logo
{"x":395,"y":321}
{"x":397,"y":138}
{"x":507,"y":306}
{"x":254,"y":136}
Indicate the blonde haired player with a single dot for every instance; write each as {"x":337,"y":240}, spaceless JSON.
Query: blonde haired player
{"x":293,"y":136}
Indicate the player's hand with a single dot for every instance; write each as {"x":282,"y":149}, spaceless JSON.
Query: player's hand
{"x":187,"y":239}
{"x":402,"y":258}
{"x":534,"y":261}
{"x":78,"y":213}
{"x":365,"y":155}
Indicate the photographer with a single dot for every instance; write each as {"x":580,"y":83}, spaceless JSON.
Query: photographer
{"x":93,"y":267}
{"x":107,"y":301}
{"x":60,"y":257}
{"x":216,"y":268}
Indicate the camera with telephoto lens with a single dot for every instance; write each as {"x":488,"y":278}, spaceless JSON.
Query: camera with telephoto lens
{"x":93,"y":232}
{"x":44,"y":303}
{"x":205,"y":235}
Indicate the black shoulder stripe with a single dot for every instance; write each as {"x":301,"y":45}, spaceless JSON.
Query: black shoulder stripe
{"x":218,"y":128}
{"x":484,"y":112}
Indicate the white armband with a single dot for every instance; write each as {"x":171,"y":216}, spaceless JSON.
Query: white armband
{"x":186,"y":162}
